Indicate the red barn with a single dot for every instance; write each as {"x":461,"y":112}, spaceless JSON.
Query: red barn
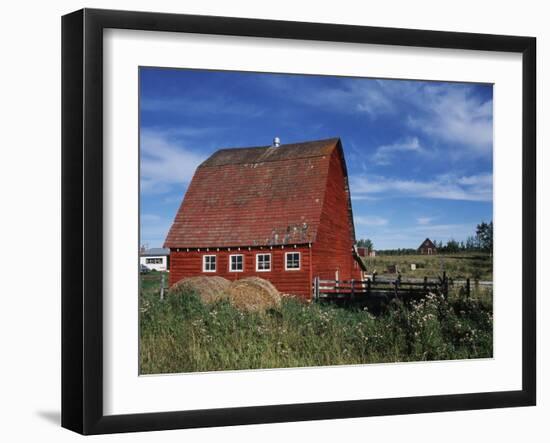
{"x":280,"y":212}
{"x":427,"y":247}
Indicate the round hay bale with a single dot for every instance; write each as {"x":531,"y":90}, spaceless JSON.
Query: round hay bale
{"x":208,"y":289}
{"x":254,"y":294}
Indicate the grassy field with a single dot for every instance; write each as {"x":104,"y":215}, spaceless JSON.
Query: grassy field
{"x":476,"y":266}
{"x":181,"y":334}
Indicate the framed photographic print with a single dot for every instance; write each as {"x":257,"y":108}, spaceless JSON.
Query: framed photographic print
{"x":269,"y":221}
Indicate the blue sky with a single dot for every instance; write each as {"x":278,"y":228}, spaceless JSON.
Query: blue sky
{"x":419,"y":154}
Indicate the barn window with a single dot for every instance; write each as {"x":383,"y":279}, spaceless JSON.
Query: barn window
{"x":209,"y":263}
{"x":263,"y":262}
{"x":292,"y":261}
{"x":236,"y":263}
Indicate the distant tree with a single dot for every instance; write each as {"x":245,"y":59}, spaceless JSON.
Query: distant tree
{"x":452,"y":246}
{"x":365,"y":243}
{"x":471,"y":243}
{"x":483,"y":240}
{"x":369,"y":245}
{"x":484,"y":234}
{"x":399,"y":251}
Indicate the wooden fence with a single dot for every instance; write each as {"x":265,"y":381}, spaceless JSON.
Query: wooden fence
{"x":383,"y":289}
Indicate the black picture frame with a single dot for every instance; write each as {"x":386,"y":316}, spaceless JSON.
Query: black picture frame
{"x":82,"y":259}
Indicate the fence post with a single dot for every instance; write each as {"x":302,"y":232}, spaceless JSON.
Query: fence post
{"x":162,"y":287}
{"x":396,"y":287}
{"x":468,"y":287}
{"x":315,"y":288}
{"x":368,"y":287}
{"x":318,"y":286}
{"x":352,"y":290}
{"x":425,"y":285}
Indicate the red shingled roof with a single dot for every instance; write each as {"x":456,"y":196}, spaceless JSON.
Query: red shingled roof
{"x":255,"y":197}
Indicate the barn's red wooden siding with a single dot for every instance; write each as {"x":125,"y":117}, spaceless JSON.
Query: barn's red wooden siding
{"x":297,"y":282}
{"x":332,"y":250}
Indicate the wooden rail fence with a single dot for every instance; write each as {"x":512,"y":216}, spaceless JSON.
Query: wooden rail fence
{"x":383,"y":289}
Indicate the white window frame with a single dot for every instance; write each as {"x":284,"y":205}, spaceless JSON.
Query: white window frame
{"x":299,"y":261}
{"x":258,"y":262}
{"x":204,"y":263}
{"x":231,"y":263}
{"x":154,"y":261}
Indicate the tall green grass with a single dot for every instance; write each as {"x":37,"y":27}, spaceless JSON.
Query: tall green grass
{"x":181,"y":334}
{"x":476,"y":266}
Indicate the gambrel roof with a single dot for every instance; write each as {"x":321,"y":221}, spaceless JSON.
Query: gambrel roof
{"x":260,"y":196}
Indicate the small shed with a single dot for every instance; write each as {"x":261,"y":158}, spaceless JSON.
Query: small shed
{"x":364,"y":252}
{"x":155,"y":259}
{"x":427,"y":248}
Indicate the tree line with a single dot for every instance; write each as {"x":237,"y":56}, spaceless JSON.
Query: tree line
{"x":482,"y":240}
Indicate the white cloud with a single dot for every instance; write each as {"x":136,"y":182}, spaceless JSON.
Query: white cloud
{"x":424,"y":220}
{"x":386,"y":153}
{"x":153,"y":230}
{"x":196,"y":105}
{"x":364,"y":197}
{"x":447,"y":112}
{"x":165,"y":163}
{"x":477,"y":180}
{"x":150,"y":218}
{"x":452,"y":114}
{"x":372,"y":100}
{"x":187,"y":132}
{"x":370,"y":220}
{"x":354,"y":95}
{"x":448,"y":187}
{"x":170,"y":199}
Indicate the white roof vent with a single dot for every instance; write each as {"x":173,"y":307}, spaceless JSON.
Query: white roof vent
{"x":276,"y":142}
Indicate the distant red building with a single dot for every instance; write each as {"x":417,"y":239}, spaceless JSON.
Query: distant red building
{"x":280,"y":212}
{"x":364,"y":252}
{"x":427,"y":248}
